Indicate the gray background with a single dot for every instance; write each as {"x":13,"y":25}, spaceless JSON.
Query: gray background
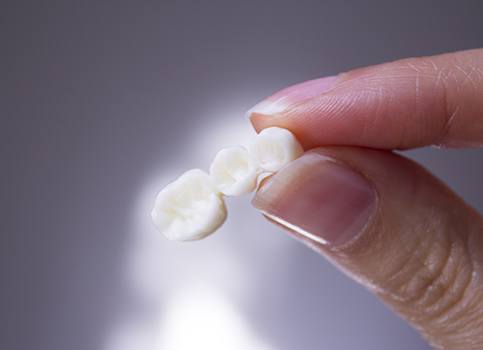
{"x":102,"y":102}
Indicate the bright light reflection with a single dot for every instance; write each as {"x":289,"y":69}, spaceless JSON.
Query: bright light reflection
{"x":204,"y":319}
{"x":189,"y":317}
{"x":228,"y":130}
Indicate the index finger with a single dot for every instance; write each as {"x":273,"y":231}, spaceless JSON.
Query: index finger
{"x":409,"y":103}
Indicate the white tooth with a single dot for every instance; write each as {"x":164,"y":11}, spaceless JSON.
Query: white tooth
{"x":274,"y":147}
{"x":189,"y":208}
{"x":234,"y":171}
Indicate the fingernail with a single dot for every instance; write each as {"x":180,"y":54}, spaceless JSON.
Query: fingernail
{"x":283,"y":99}
{"x":318,"y":198}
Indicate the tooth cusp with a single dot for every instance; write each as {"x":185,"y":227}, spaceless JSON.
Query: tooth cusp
{"x":234,"y":171}
{"x":274,"y":147}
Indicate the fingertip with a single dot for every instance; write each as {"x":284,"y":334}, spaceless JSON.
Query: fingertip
{"x":319,"y":198}
{"x":258,"y":121}
{"x":398,"y":105}
{"x":262,"y":121}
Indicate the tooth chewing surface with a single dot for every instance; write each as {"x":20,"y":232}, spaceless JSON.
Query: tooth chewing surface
{"x":275,"y":147}
{"x":189,"y":208}
{"x":234,"y":171}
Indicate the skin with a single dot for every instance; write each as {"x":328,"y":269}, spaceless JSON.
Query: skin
{"x":421,"y":249}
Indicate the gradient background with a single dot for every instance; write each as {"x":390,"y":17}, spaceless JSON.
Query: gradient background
{"x":102,"y":102}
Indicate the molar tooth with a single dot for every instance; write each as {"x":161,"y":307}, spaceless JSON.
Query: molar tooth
{"x":234,"y":171}
{"x":192,"y":207}
{"x":189,"y":208}
{"x":275,"y":147}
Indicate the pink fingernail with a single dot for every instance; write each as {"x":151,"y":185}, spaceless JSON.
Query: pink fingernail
{"x":283,"y":99}
{"x":323,"y":201}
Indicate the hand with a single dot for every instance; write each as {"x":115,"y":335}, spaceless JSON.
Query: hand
{"x":380,"y":217}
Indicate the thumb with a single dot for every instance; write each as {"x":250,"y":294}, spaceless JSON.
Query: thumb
{"x":393,"y":227}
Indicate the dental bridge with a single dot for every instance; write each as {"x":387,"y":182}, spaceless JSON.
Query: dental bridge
{"x":193,"y":206}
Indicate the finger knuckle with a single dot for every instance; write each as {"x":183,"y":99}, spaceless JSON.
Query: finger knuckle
{"x":437,"y":279}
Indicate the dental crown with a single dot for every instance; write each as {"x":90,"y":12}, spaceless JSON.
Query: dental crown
{"x":192,"y":207}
